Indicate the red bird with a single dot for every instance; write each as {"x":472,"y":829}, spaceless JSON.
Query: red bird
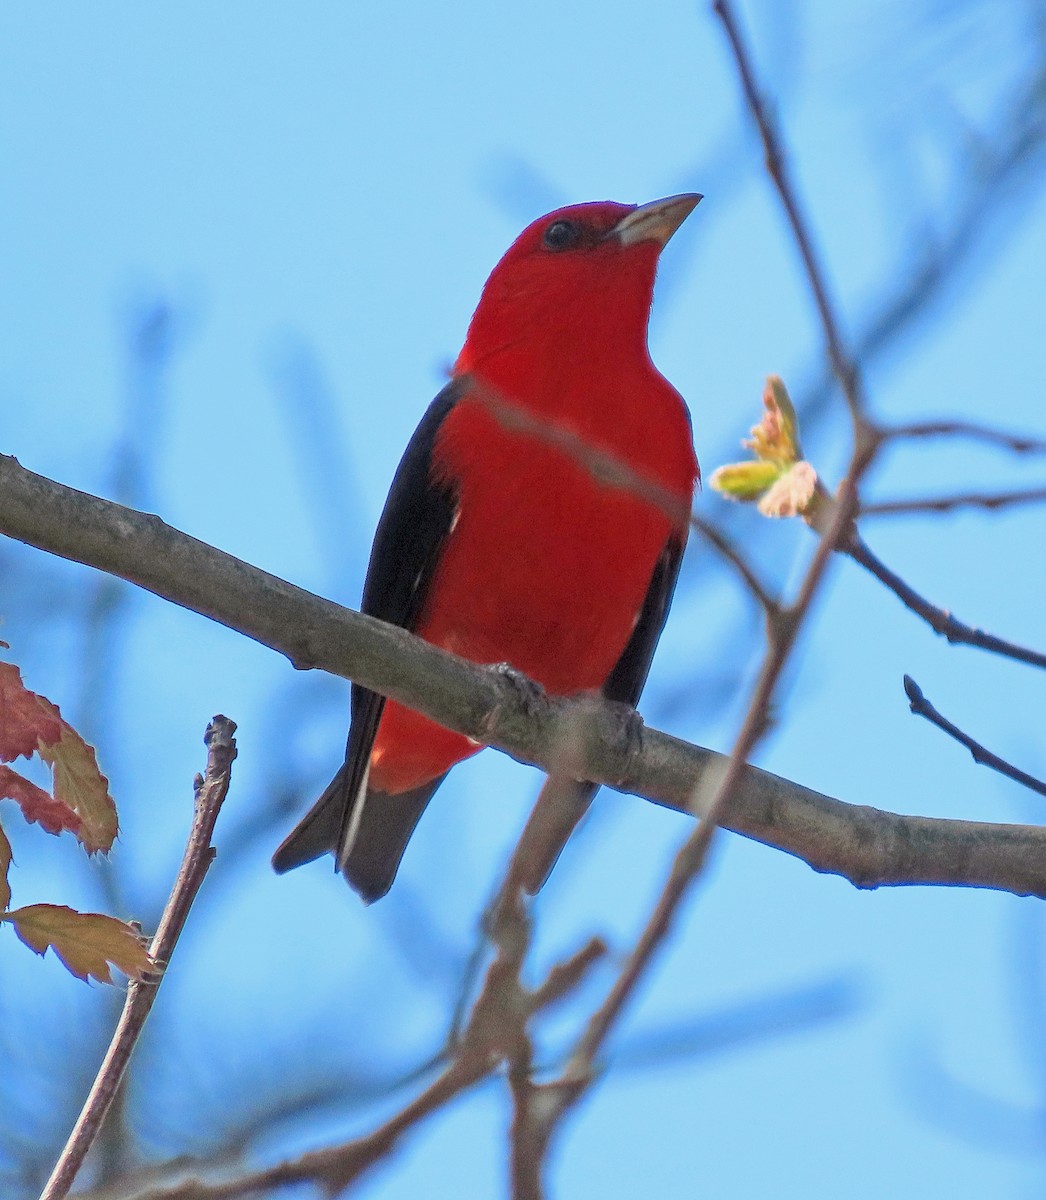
{"x":501,"y":546}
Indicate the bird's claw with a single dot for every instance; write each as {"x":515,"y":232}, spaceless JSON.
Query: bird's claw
{"x":626,"y":733}
{"x":530,"y":695}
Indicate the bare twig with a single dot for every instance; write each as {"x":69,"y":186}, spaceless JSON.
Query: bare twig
{"x":940,"y":620}
{"x":553,"y":1100}
{"x":844,"y":367}
{"x":210,"y":791}
{"x":508,"y":1009}
{"x":612,"y":471}
{"x":495,"y":1033}
{"x":691,"y":856}
{"x":945,"y":504}
{"x":783,"y":628}
{"x":527,"y":1130}
{"x":104,"y":629}
{"x":565,"y":976}
{"x":1018,"y":443}
{"x":979,"y":205}
{"x":508,"y":925}
{"x":505,"y":1006}
{"x":717,"y":538}
{"x":923,"y":708}
{"x":334,"y":1167}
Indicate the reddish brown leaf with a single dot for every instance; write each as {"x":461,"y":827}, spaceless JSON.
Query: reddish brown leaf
{"x":79,"y":784}
{"x":36,"y":804}
{"x":25,"y":722}
{"x":86,"y":943}
{"x":5,"y":863}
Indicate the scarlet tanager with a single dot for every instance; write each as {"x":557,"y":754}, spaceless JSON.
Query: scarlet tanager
{"x":501,"y":546}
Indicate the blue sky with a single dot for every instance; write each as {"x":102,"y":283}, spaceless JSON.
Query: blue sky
{"x":314,"y":196}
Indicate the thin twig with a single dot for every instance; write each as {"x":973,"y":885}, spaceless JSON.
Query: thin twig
{"x":940,"y":620}
{"x":511,"y":1005}
{"x":782,"y":629}
{"x":612,"y":471}
{"x":715,"y":537}
{"x":980,"y":201}
{"x":692,"y":855}
{"x":105,"y":627}
{"x":334,"y":1167}
{"x":526,"y":1143}
{"x":509,"y":929}
{"x":944,"y":504}
{"x":210,"y":791}
{"x":1018,"y":443}
{"x":844,"y":367}
{"x":846,"y":371}
{"x":495,"y":1033}
{"x":607,"y":468}
{"x":923,"y":708}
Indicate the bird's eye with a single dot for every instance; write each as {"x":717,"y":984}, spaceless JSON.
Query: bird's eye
{"x":562,"y":235}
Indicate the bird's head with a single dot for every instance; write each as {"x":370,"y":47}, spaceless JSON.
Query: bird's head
{"x":584,"y":273}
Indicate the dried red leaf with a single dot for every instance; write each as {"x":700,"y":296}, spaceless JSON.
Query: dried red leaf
{"x":36,"y":805}
{"x":26,"y":719}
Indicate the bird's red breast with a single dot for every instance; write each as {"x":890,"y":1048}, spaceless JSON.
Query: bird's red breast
{"x":547,"y":565}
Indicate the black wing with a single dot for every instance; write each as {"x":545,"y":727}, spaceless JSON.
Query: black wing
{"x":414,"y":524}
{"x":566,"y":801}
{"x":628,"y":677}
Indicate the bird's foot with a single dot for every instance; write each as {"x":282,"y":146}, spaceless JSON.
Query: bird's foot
{"x":624,"y":733}
{"x":521,"y":693}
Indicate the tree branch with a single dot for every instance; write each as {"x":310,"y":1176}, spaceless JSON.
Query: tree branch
{"x":210,"y":792}
{"x":783,"y":626}
{"x":981,"y":755}
{"x":333,"y":1167}
{"x":495,"y":1033}
{"x":939,"y":619}
{"x":867,"y":846}
{"x":690,"y":860}
{"x":843,"y":365}
{"x":944,"y":504}
{"x":717,"y":538}
{"x":1016,"y":442}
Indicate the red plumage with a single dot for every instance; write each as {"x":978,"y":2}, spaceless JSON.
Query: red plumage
{"x":527,"y":557}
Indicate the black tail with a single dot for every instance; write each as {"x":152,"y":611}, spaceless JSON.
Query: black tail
{"x":385,"y":825}
{"x":384,"y":829}
{"x":316,"y":833}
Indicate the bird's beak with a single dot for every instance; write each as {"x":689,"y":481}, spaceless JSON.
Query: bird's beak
{"x":656,"y":221}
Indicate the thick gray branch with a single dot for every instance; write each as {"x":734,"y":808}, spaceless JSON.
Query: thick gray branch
{"x":585,"y":738}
